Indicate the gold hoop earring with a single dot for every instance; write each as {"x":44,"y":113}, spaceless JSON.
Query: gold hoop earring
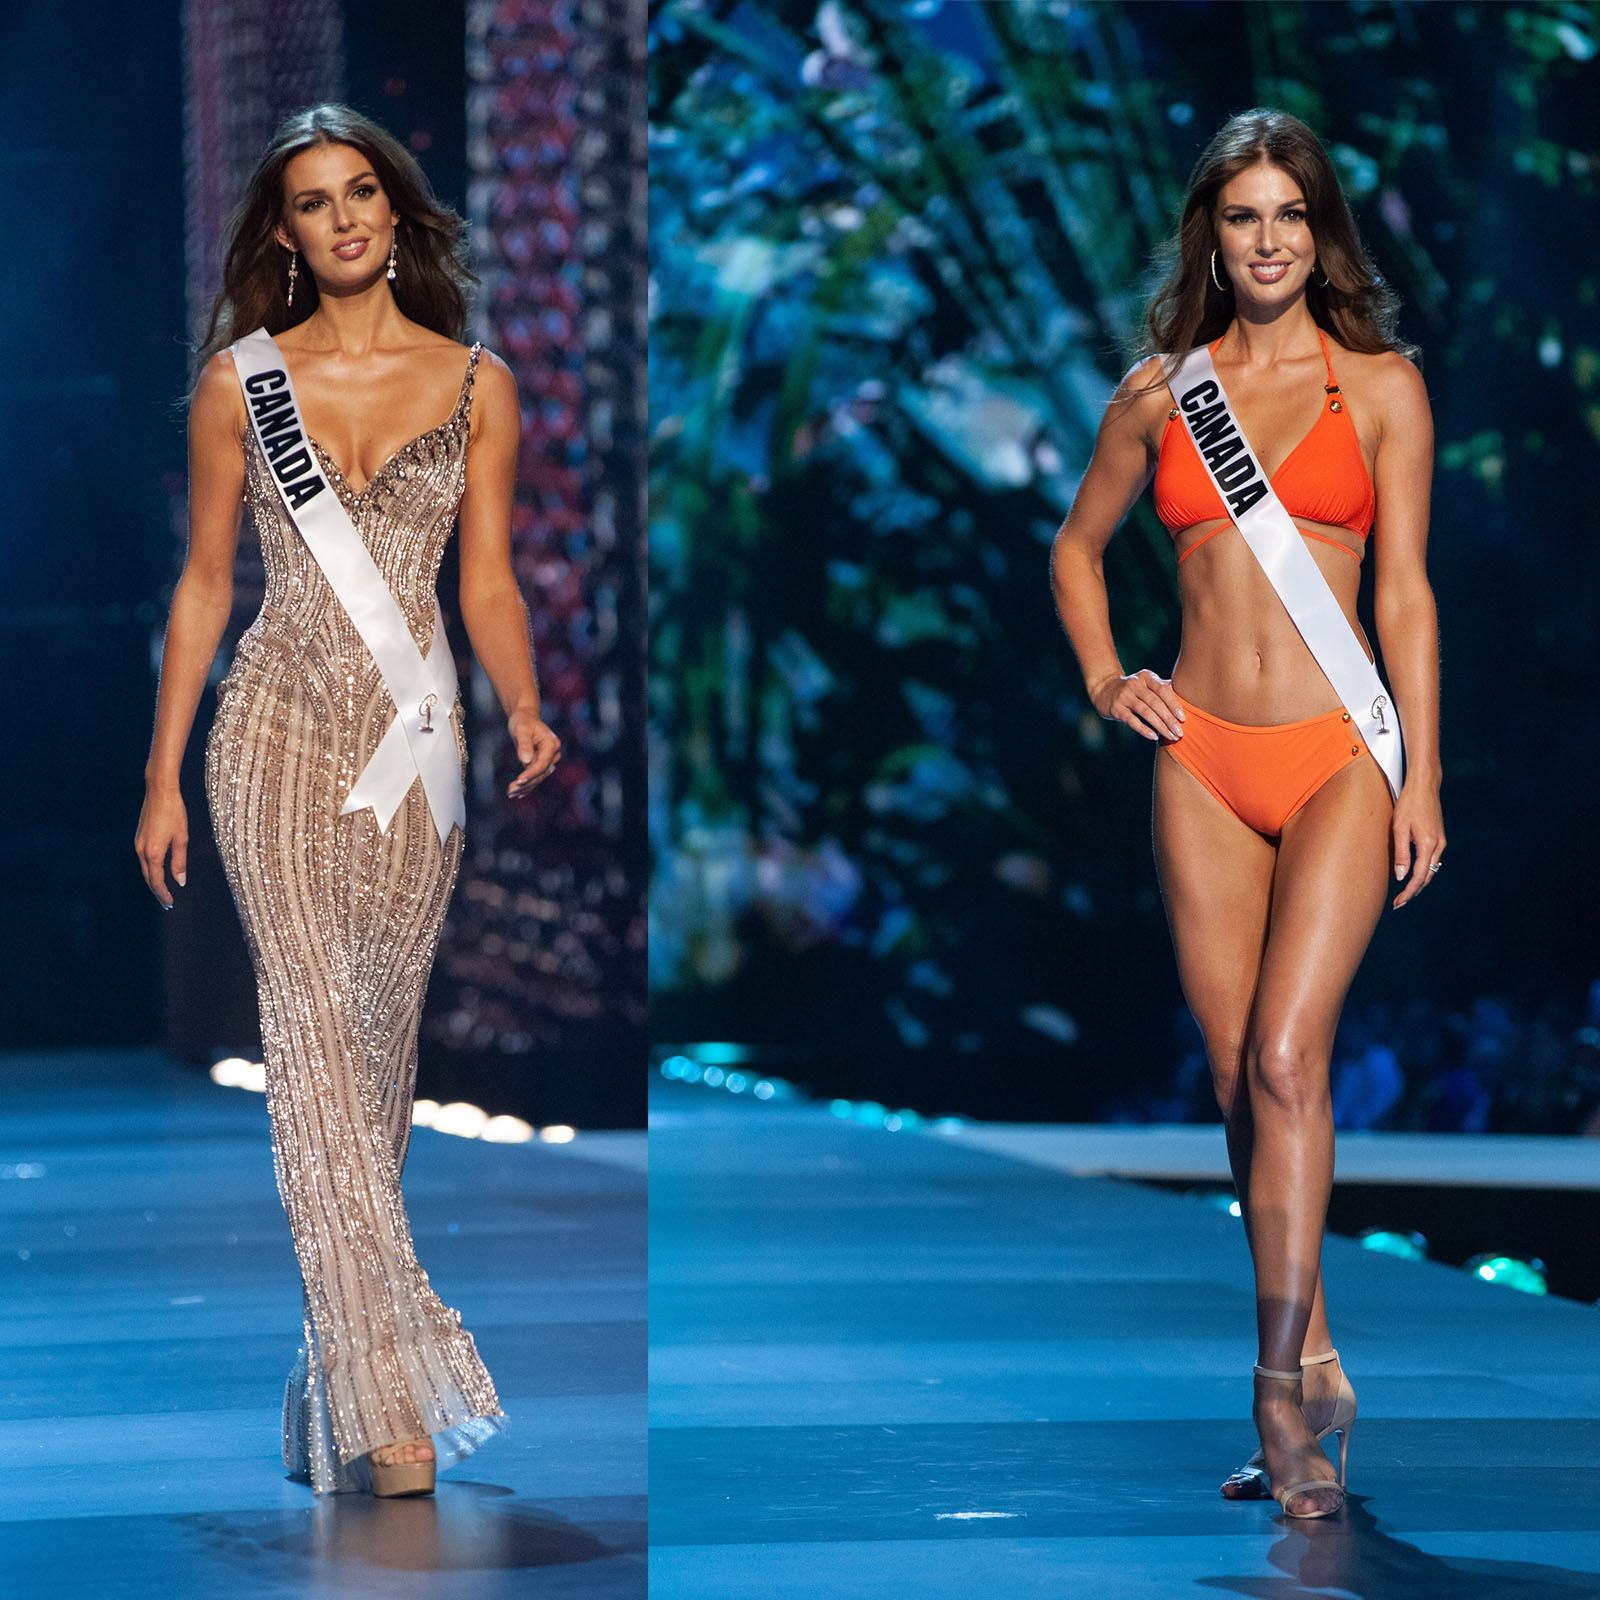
{"x":1214,"y":278}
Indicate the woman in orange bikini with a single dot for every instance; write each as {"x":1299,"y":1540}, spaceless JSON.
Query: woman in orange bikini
{"x":1275,"y":829}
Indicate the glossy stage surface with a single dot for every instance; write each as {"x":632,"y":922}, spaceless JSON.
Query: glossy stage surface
{"x":897,"y":1364}
{"x":149,"y":1318}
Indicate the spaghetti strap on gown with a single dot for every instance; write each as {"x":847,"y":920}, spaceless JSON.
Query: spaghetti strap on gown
{"x":342,"y":920}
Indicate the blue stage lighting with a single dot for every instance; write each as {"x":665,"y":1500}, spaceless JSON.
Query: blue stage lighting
{"x":719,"y":1052}
{"x":1387,"y":1242}
{"x":1528,"y":1276}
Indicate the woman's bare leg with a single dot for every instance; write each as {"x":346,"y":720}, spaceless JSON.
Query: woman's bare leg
{"x":1240,"y":1130}
{"x":1217,"y":880}
{"x":1216,"y":883}
{"x":1328,"y":891}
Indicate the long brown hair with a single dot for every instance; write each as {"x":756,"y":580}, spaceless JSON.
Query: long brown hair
{"x":431,"y":272}
{"x":1355,"y":305}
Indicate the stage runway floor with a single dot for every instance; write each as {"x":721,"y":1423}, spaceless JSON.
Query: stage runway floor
{"x":151,"y":1312}
{"x":898,"y":1365}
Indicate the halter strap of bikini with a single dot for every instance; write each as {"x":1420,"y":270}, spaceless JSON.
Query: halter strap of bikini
{"x":1332,"y":385}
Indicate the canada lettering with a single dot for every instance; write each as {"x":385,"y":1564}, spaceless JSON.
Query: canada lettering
{"x":277,"y":426}
{"x":1216,"y":435}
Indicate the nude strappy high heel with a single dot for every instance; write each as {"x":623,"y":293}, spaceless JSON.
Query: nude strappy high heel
{"x":1344,"y":1416}
{"x":1284,"y":1495}
{"x":402,"y":1477}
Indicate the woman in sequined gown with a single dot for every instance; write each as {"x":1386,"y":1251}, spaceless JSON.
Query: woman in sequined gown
{"x":341,"y":915}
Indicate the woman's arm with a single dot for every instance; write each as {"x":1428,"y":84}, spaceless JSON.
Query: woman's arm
{"x":200,"y":608}
{"x":1408,"y":624}
{"x":1118,"y":471}
{"x":491,"y":604}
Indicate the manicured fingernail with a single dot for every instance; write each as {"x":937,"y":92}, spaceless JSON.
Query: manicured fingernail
{"x":1181,"y":717}
{"x":1399,"y":872}
{"x":182,"y":880}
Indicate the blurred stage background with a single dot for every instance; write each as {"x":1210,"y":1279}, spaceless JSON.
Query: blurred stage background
{"x":898,"y":250}
{"x":130,"y":131}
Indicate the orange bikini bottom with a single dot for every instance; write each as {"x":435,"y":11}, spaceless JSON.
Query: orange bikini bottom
{"x":1264,"y":775}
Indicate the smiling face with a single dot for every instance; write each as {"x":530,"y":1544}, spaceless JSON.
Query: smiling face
{"x":337,"y":214}
{"x":1264,"y":241}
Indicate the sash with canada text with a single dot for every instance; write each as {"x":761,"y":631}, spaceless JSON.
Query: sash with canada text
{"x":420,"y":741}
{"x":1275,"y":542}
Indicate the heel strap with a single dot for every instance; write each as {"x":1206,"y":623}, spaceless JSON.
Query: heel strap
{"x":1287,"y":1377}
{"x":1317,"y":1361}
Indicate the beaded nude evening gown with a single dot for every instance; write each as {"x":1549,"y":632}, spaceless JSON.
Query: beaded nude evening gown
{"x":342,"y":920}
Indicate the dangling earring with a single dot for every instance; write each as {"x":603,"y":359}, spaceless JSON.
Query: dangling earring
{"x":1214,"y":278}
{"x":294,"y":272}
{"x":394,"y":244}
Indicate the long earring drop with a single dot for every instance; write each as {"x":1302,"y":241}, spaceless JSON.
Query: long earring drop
{"x":394,"y":245}
{"x":294,"y":272}
{"x":1214,"y":278}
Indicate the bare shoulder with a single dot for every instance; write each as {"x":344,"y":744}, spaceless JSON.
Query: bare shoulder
{"x":1395,"y":392}
{"x":217,"y":401}
{"x":1144,"y":377}
{"x":489,"y":362}
{"x":1141,"y":401}
{"x":218,"y":373}
{"x":495,"y":383}
{"x":1398,"y":379}
{"x":1385,"y":375}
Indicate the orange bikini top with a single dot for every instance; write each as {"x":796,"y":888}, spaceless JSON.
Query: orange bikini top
{"x":1323,"y":479}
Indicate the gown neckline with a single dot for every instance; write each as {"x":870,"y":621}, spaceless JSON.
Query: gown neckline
{"x":339,"y":474}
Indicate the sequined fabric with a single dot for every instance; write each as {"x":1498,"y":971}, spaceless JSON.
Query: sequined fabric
{"x":342,"y":921}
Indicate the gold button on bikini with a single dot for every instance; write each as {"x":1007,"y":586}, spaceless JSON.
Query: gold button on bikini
{"x":1355,"y":749}
{"x":1336,"y":406}
{"x":1347,"y":716}
{"x":1172,"y":415}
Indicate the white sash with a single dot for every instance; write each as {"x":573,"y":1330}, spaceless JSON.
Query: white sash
{"x":420,"y":741}
{"x":1276,"y":543}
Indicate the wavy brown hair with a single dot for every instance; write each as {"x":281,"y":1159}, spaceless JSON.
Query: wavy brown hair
{"x":431,"y":273}
{"x":1356,"y":306}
